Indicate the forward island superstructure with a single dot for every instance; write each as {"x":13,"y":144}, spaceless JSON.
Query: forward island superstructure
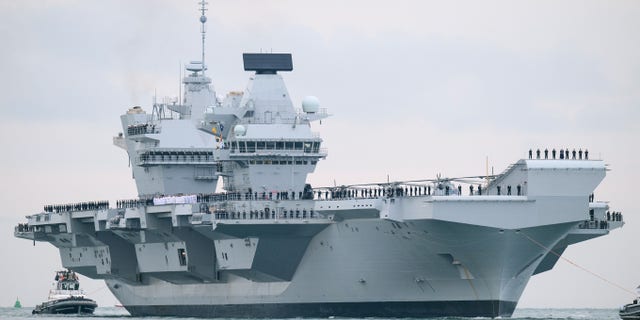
{"x":270,"y":245}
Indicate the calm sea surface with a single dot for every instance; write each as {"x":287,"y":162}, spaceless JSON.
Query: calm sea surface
{"x":120,"y":313}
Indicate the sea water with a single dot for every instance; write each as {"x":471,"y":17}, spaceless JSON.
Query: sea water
{"x":114,"y":313}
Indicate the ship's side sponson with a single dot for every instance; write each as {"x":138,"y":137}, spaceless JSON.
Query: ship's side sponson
{"x":530,"y":190}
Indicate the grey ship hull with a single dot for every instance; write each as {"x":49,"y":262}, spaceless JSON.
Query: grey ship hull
{"x":371,"y":268}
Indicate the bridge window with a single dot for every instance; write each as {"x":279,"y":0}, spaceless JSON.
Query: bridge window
{"x":288,"y":145}
{"x":271,"y":145}
{"x":251,"y":146}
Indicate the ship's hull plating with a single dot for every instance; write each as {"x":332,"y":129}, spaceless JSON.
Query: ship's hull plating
{"x":371,"y":268}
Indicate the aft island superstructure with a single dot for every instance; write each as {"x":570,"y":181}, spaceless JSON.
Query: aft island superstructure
{"x":270,"y":245}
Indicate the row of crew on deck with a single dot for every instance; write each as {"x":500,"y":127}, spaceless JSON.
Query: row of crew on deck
{"x":141,"y":129}
{"x":614,"y":216}
{"x":443,"y":189}
{"x":594,"y":224}
{"x":439,"y":189}
{"x":562,"y":154}
{"x":406,"y":191}
{"x":80,"y":206}
{"x":266,"y":214}
{"x":509,"y":190}
{"x":133,"y":203}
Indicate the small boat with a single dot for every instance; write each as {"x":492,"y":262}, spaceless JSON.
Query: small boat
{"x":632,"y":310}
{"x":66,"y":297}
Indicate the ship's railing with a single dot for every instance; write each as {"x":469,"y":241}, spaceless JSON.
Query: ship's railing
{"x":603,"y":221}
{"x":321,"y":111}
{"x":53,"y":293}
{"x":176,"y":156}
{"x":496,"y":182}
{"x":614,"y":216}
{"x":332,"y":193}
{"x":271,"y":118}
{"x":134,"y":203}
{"x":23,"y":227}
{"x":284,"y":153}
{"x":79,"y":206}
{"x":144,"y":128}
{"x":267,"y":215}
{"x":594,"y":224}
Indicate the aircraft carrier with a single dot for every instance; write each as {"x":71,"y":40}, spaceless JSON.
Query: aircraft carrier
{"x":267,"y":244}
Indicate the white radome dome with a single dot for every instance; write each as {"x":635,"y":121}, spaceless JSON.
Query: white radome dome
{"x":240,"y":130}
{"x":310,"y":104}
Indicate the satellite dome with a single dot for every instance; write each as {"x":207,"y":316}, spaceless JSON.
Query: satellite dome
{"x":239,"y":130}
{"x":310,"y":104}
{"x":203,"y":19}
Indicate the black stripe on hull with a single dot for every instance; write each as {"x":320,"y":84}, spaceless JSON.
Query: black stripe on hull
{"x":412,"y":309}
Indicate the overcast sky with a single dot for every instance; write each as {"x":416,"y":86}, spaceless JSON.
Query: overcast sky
{"x":416,"y":88}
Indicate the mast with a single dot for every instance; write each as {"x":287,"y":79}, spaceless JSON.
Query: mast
{"x":203,"y":30}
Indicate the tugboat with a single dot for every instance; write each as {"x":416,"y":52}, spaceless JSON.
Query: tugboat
{"x":631,"y":311}
{"x":66,"y":297}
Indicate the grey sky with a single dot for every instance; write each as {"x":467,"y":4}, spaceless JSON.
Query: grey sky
{"x":417,"y":88}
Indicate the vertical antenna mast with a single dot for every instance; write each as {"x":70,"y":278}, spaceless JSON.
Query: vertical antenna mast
{"x":203,"y":20}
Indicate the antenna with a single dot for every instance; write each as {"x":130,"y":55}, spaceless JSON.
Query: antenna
{"x":203,"y":30}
